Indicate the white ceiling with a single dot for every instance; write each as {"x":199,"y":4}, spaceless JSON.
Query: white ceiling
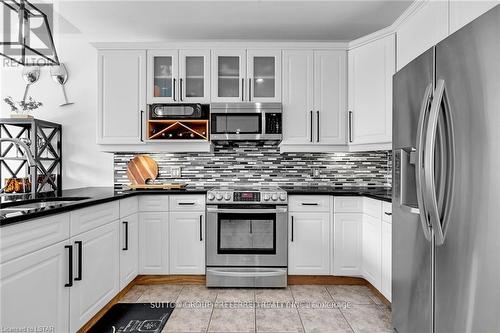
{"x":149,"y":21}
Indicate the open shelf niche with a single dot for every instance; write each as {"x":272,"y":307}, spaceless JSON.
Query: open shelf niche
{"x":172,"y":130}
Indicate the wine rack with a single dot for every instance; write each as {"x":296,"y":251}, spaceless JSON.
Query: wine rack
{"x":172,"y":130}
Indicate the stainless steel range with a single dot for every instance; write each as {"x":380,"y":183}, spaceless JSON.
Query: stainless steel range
{"x":246,"y":243}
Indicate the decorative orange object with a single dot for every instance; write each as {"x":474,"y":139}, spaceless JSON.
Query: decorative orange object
{"x":142,"y":168}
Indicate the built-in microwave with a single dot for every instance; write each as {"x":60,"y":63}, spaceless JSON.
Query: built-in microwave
{"x":179,"y":111}
{"x":246,"y":121}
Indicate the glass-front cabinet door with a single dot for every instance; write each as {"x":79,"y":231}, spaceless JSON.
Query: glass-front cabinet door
{"x":264,"y":75}
{"x":194,"y":76}
{"x":228,"y":76}
{"x":163,"y":82}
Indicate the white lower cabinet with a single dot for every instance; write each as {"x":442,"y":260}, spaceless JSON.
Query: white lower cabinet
{"x":309,"y":243}
{"x":347,"y":244}
{"x":372,"y":250}
{"x":33,"y":290}
{"x":129,"y":249}
{"x":95,"y":271}
{"x":187,"y":242}
{"x":153,"y":243}
{"x":386,"y":283}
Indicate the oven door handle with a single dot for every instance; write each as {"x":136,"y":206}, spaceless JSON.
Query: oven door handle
{"x":247,"y":210}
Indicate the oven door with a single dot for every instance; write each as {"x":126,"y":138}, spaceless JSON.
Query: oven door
{"x":247,"y":237}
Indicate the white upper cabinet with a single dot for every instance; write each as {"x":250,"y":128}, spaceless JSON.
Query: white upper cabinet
{"x":298,"y":103}
{"x":330,"y":96}
{"x":314,"y":98}
{"x":122,"y":100}
{"x":371,"y":67}
{"x":163,"y":72}
{"x":463,"y":12}
{"x":427,"y":26}
{"x":194,"y":76}
{"x":264,"y":75}
{"x":229,"y":76}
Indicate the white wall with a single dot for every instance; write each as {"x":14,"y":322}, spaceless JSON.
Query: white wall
{"x":83,"y":163}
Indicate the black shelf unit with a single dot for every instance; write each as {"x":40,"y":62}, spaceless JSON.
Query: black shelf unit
{"x":44,"y":139}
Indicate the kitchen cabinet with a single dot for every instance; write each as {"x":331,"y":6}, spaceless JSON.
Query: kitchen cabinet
{"x":153,"y":242}
{"x":348,"y":244}
{"x":425,"y":28}
{"x":187,"y":242}
{"x":386,"y":279}
{"x":463,"y":12}
{"x":33,"y":289}
{"x":372,"y":250}
{"x":314,"y":98}
{"x":194,"y":76}
{"x":246,"y":75}
{"x":229,"y":75}
{"x":129,"y":249}
{"x":309,"y":234}
{"x":121,"y":96}
{"x":96,"y":272}
{"x":371,"y":67}
{"x":264,"y":75}
{"x":163,"y":76}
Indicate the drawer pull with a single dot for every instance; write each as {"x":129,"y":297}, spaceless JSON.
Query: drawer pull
{"x":387,"y":213}
{"x":186,"y":203}
{"x":309,"y":204}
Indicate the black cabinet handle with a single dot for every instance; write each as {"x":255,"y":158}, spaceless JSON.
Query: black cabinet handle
{"x":387,"y":213}
{"x":180,"y":90}
{"x":142,"y":125}
{"x":249,"y":90}
{"x":80,"y":255}
{"x":201,"y":228}
{"x":311,"y":126}
{"x":173,"y":91}
{"x":125,"y":224}
{"x":186,"y":203}
{"x":309,"y":204}
{"x":242,"y":89}
{"x":292,"y":229}
{"x":317,"y":125}
{"x":70,"y":266}
{"x":350,"y":126}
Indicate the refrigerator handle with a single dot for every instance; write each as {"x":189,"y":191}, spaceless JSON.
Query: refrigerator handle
{"x":419,"y":162}
{"x":439,"y":221}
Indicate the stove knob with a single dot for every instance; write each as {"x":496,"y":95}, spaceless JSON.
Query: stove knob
{"x":266,"y":197}
{"x":227,"y":196}
{"x":282,"y":196}
{"x":218,"y":196}
{"x":274,"y":197}
{"x":210,"y":196}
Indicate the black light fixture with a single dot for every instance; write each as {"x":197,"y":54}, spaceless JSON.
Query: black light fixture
{"x":19,"y":46}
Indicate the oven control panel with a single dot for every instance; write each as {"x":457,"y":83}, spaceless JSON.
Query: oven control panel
{"x":266,"y":196}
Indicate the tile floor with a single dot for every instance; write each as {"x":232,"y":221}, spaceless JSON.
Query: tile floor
{"x":300,"y":308}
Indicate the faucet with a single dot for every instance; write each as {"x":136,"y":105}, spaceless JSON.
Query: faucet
{"x":20,"y":144}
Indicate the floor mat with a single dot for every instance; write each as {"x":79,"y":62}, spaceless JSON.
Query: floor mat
{"x":134,"y":318}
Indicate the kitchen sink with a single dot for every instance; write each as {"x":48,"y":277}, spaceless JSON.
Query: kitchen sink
{"x":41,"y":203}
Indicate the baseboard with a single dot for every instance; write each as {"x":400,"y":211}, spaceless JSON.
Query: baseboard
{"x":325,"y":280}
{"x":170,"y":279}
{"x":85,"y":328}
{"x":378,"y":294}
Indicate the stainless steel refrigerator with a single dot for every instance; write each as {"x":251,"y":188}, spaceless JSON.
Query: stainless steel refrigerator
{"x":446,"y":180}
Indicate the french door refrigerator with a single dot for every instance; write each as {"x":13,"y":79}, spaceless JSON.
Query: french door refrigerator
{"x":446,"y":175}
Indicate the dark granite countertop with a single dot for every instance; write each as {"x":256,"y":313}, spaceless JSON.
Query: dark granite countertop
{"x":98,"y":195}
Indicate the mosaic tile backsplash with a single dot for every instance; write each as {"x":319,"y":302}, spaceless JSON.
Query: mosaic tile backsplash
{"x":265,"y":166}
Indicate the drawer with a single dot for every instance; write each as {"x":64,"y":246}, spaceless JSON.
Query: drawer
{"x":94,"y":216}
{"x":307,"y":203}
{"x":129,"y":206}
{"x":387,"y":211}
{"x":153,"y":203}
{"x":372,"y":207}
{"x":348,"y":204}
{"x":186,"y":202}
{"x":23,"y":238}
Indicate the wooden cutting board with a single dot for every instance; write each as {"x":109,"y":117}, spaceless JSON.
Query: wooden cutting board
{"x":142,"y":168}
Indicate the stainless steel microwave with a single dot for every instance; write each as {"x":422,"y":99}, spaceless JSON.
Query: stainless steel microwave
{"x":179,"y":111}
{"x":246,"y":121}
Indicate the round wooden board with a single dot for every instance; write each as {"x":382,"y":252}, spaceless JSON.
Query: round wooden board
{"x":142,"y":168}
